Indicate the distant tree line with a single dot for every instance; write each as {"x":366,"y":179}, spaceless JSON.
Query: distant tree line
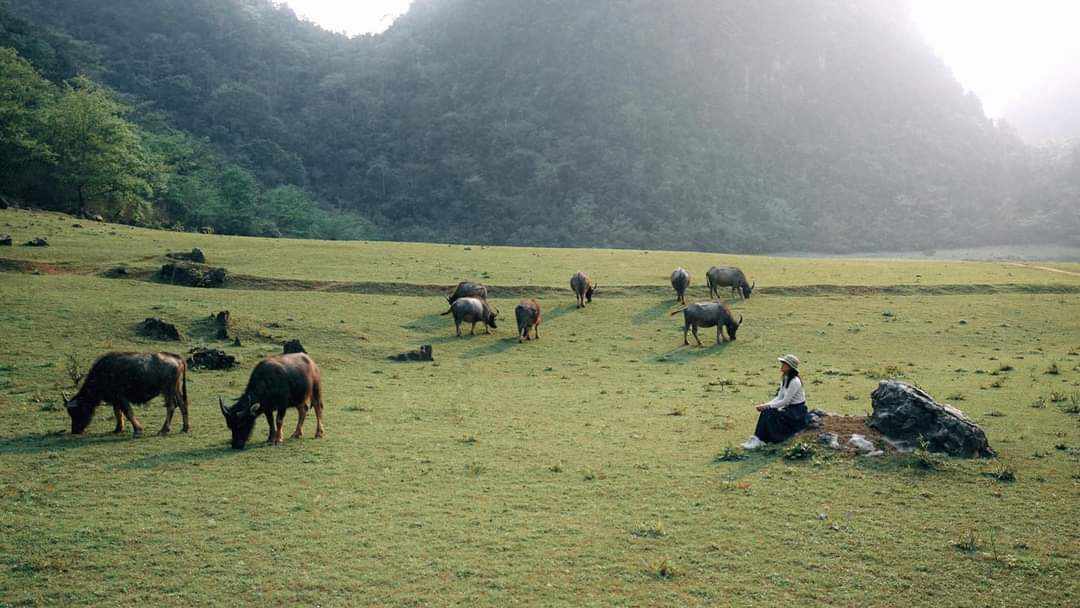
{"x":749,"y":125}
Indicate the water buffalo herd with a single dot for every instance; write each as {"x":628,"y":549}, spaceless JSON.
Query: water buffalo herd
{"x":280,"y":382}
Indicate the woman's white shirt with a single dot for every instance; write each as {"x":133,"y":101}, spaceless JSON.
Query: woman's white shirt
{"x":793,"y":393}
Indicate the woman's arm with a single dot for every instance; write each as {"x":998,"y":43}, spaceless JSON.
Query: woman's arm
{"x":785,"y":395}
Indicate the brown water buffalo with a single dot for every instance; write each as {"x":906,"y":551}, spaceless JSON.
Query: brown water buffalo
{"x":473,"y":310}
{"x":121,"y":379}
{"x":728,"y":276}
{"x":467,"y":289}
{"x":528,"y":317}
{"x":708,"y":314}
{"x":276,"y":384}
{"x":680,"y":280}
{"x":583,"y":288}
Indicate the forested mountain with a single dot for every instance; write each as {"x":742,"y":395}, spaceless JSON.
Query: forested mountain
{"x":737,"y":125}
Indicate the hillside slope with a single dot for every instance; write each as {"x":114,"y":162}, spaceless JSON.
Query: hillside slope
{"x":737,"y":125}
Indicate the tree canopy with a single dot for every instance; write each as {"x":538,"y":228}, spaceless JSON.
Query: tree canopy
{"x":746,"y":125}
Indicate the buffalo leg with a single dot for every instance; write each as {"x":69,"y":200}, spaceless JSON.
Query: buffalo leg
{"x":719,"y":334}
{"x":170,"y":407}
{"x":119,"y":421}
{"x":472,"y":332}
{"x":269,"y":424}
{"x":693,"y":328}
{"x":301,"y":413}
{"x":277,"y":427}
{"x":186,"y":428}
{"x":457,"y":325}
{"x":536,"y":330}
{"x":136,"y":426}
{"x":316,"y":404}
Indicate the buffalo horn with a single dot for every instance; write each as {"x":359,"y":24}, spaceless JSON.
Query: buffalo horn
{"x":224,"y":411}
{"x":67,"y":402}
{"x":740,"y":319}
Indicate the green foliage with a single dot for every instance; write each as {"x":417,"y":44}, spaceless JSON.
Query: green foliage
{"x":595,"y":128}
{"x":799,"y":450}
{"x":98,"y":157}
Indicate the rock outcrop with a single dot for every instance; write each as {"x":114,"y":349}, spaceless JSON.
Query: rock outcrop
{"x":193,"y":275}
{"x":907,"y":415}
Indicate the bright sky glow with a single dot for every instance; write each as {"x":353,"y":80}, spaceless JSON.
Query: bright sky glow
{"x":1003,"y":49}
{"x":351,"y":16}
{"x":1000,"y":49}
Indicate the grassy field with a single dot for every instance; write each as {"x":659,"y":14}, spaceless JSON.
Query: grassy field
{"x":579,"y":470}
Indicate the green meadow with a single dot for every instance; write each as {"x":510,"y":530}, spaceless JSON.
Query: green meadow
{"x":578,"y":470}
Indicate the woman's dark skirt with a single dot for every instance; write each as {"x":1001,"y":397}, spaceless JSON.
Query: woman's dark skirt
{"x":776,"y":425}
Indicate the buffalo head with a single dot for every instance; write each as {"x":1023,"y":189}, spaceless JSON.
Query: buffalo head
{"x":747,"y":289}
{"x":240,"y":419}
{"x":80,"y":412}
{"x":589,"y":293}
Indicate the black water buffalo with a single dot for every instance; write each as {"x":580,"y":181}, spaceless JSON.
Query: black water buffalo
{"x":728,"y":276}
{"x":528,"y":317}
{"x":583,"y":288}
{"x":466,"y":289}
{"x":680,"y":280}
{"x":708,"y":314}
{"x":473,"y":310}
{"x":276,"y":384}
{"x":121,"y":379}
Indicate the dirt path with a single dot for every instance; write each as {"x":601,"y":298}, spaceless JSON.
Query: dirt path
{"x":1046,"y":268}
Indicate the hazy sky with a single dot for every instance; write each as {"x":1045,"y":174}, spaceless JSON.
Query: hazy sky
{"x":999,"y":49}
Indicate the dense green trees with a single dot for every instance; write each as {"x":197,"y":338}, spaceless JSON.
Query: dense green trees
{"x":738,"y":125}
{"x":72,"y":145}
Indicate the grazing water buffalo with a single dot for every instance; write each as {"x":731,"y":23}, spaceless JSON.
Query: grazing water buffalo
{"x":728,"y":276}
{"x":708,"y":314}
{"x":466,"y":289}
{"x":528,"y":317}
{"x":276,"y":384}
{"x":583,"y":288}
{"x":473,"y":310}
{"x":121,"y":379}
{"x":680,"y":280}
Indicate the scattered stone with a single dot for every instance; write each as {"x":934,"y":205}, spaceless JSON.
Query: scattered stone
{"x":36,"y":242}
{"x":293,"y":346}
{"x":906,"y":414}
{"x":116,"y":272}
{"x":861,"y":444}
{"x":158,"y":329}
{"x":236,"y":341}
{"x":206,"y":230}
{"x":195,"y":255}
{"x":5,"y":240}
{"x":76,"y":225}
{"x":97,"y":218}
{"x":822,"y":516}
{"x":193,"y":275}
{"x":423,"y":354}
{"x":221,"y":321}
{"x":830,"y":440}
{"x":210,"y":358}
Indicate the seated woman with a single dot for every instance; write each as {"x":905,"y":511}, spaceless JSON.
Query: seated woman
{"x":786,"y":414}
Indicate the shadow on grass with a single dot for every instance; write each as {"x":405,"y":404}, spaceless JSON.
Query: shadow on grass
{"x":429,"y":323}
{"x":685,"y":354}
{"x":754,"y":462}
{"x":57,"y":442}
{"x":202,"y":454}
{"x":497,"y":345}
{"x":656,"y":311}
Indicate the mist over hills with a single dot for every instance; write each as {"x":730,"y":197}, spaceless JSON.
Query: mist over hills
{"x":745,"y":125}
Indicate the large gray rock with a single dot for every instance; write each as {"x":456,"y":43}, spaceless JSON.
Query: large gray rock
{"x":906,"y":414}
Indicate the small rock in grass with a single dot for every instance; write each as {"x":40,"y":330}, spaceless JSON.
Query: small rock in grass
{"x":36,"y":242}
{"x":158,"y":329}
{"x":293,"y":346}
{"x":5,"y":240}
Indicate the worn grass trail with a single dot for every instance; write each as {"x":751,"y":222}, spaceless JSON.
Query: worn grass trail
{"x":572,"y":471}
